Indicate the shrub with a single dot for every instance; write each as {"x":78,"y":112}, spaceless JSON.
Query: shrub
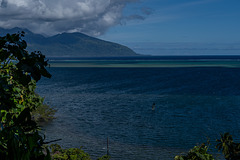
{"x":68,"y":154}
{"x":197,"y":153}
{"x":43,"y":113}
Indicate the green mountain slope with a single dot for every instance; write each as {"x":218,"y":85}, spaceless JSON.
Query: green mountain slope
{"x":72,"y":45}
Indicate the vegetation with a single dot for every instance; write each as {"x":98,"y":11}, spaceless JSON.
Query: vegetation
{"x":43,"y":113}
{"x":68,"y":154}
{"x":19,"y":72}
{"x":197,"y":153}
{"x":21,"y":107}
{"x":230,"y":150}
{"x":58,"y":153}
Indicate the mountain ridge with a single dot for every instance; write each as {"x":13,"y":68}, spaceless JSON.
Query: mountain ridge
{"x":71,"y":45}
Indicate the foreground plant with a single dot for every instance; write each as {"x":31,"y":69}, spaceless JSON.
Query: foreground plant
{"x":68,"y":154}
{"x":19,"y":72}
{"x":197,"y":153}
{"x":58,"y":153}
{"x":230,"y":149}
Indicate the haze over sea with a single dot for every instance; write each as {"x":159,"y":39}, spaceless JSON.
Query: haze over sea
{"x":196,"y":98}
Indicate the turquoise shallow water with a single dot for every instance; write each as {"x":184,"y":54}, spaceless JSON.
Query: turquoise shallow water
{"x":192,"y":103}
{"x":146,"y":64}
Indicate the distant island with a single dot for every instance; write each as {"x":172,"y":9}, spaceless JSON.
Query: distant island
{"x":71,"y":45}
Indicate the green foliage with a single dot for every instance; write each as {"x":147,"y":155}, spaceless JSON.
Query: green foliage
{"x":197,"y":153}
{"x":226,"y":145}
{"x":105,"y":157}
{"x":68,"y":154}
{"x":57,"y":153}
{"x":43,"y":113}
{"x":21,"y":107}
{"x":230,"y":149}
{"x":19,"y":72}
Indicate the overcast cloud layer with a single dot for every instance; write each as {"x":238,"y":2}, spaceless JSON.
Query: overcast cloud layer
{"x":50,"y":17}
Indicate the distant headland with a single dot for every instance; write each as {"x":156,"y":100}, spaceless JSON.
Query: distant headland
{"x":72,"y":45}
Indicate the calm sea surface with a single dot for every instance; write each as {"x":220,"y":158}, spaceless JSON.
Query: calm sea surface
{"x":93,"y":103}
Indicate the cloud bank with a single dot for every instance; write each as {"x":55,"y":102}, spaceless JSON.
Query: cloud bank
{"x":50,"y":17}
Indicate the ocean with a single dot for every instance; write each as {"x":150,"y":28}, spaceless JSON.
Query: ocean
{"x":98,"y":99}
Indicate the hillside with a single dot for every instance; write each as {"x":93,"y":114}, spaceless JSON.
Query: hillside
{"x":72,"y":45}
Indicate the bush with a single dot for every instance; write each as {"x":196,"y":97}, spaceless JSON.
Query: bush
{"x":43,"y":113}
{"x":105,"y":157}
{"x":197,"y":153}
{"x":57,"y":153}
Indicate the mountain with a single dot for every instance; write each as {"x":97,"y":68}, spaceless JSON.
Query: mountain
{"x":71,"y":45}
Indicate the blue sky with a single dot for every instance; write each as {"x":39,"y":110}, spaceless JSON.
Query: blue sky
{"x":180,"y":21}
{"x":185,"y":23}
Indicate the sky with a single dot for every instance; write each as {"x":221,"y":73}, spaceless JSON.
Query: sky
{"x":146,"y":26}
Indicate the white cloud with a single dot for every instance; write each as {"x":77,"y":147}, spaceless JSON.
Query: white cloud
{"x":50,"y":17}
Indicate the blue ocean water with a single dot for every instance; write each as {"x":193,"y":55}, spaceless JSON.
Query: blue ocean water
{"x":94,"y":104}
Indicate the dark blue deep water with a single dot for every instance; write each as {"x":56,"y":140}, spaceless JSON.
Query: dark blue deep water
{"x":95,"y":103}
